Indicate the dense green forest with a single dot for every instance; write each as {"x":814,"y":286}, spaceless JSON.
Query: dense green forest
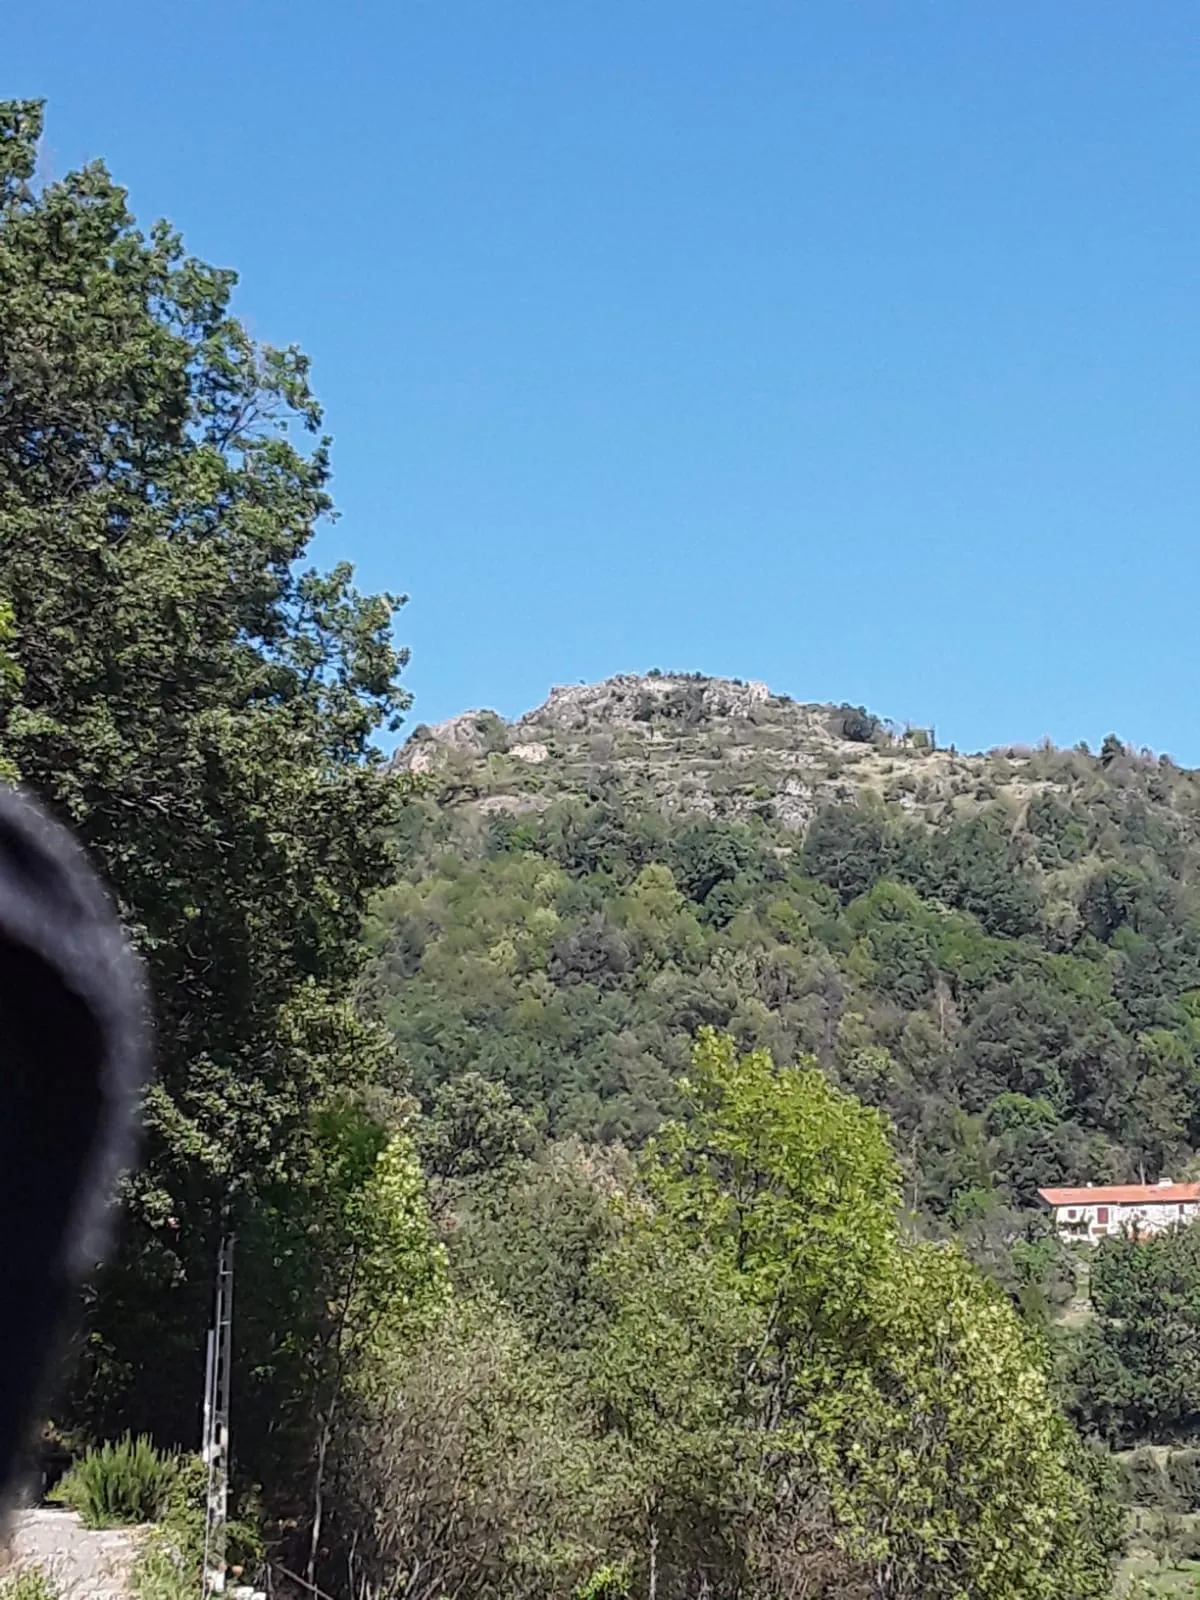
{"x":1008,"y":969}
{"x":1015,"y":980}
{"x":630,"y":1125}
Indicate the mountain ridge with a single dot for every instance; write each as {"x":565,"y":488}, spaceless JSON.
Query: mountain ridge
{"x":728,"y":747}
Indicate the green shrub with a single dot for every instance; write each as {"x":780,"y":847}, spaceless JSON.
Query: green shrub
{"x":855,"y":723}
{"x":167,"y":1569}
{"x":171,"y":1560}
{"x":606,"y":1583}
{"x":121,"y":1484}
{"x":1145,"y":1481}
{"x":31,"y":1583}
{"x":1183,"y":1473}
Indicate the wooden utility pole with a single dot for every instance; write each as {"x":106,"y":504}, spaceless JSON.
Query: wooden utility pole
{"x":215,"y":1450}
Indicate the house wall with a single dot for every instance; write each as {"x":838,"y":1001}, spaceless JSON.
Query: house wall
{"x":1084,"y":1221}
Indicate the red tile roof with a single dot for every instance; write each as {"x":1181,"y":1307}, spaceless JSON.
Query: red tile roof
{"x":1122,"y":1194}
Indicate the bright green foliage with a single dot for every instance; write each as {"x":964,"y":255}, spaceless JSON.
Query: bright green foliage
{"x":10,"y":672}
{"x":395,"y":1278}
{"x":949,"y":1463}
{"x":30,"y":1583}
{"x":790,"y":1182}
{"x":772,"y":1323}
{"x":606,"y":1583}
{"x":127,"y":1482}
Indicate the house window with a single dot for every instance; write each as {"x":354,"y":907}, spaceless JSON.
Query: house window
{"x":1101,"y":1213}
{"x":1072,"y":1214}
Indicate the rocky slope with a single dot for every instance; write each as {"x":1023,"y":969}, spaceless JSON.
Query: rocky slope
{"x":733,"y":749}
{"x":77,"y":1563}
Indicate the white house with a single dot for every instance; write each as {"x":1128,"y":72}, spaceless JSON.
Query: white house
{"x":1098,"y":1209}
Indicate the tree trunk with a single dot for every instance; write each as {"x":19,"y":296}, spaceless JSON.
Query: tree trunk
{"x":326,"y":1433}
{"x":318,"y":1505}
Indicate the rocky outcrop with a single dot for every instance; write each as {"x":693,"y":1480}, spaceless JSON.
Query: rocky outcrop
{"x":80,"y":1563}
{"x":681,"y":741}
{"x":628,"y":701}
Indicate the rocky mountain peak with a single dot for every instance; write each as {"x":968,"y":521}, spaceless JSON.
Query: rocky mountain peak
{"x":681,"y":740}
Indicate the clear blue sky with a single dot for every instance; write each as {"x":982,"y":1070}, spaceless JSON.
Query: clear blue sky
{"x":853,"y":346}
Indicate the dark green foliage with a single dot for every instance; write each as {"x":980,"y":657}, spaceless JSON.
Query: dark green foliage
{"x":1183,"y":1474}
{"x":1042,"y":1040}
{"x":1144,"y":1481}
{"x":202,"y":709}
{"x":493,"y":731}
{"x":534,"y":1239}
{"x":1165,"y":1479}
{"x":1031,"y":1146}
{"x":125,"y":1483}
{"x":975,"y":866}
{"x":705,"y":855}
{"x":472,"y":1128}
{"x":1062,"y":835}
{"x":856,"y":724}
{"x":1116,"y":897}
{"x":845,"y":847}
{"x":595,"y":953}
{"x":1136,"y":1369}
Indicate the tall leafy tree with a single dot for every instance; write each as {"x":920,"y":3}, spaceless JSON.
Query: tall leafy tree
{"x":888,"y":1375}
{"x":952,"y":1472}
{"x":1136,"y":1370}
{"x":357,"y":1271}
{"x":197,"y":704}
{"x":792,"y":1181}
{"x":665,"y":1372}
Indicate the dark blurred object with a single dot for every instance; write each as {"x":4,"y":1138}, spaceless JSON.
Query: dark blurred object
{"x":72,"y":1065}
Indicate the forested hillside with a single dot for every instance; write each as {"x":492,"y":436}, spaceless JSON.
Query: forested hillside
{"x":542,"y":1077}
{"x":1003,"y":951}
{"x":1000,"y":951}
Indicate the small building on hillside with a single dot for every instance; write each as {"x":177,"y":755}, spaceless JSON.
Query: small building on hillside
{"x":1099,"y":1209}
